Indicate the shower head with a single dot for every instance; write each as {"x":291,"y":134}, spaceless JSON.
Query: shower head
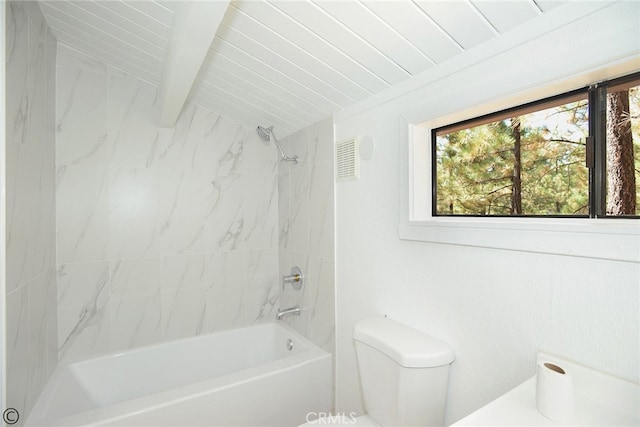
{"x":265,"y":133}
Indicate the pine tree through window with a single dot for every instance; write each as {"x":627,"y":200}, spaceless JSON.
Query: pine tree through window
{"x":573,"y":155}
{"x":623,"y":149}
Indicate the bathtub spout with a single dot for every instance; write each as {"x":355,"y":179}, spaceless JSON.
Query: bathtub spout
{"x":293,"y":311}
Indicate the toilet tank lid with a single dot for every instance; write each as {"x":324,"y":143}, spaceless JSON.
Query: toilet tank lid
{"x":408,"y":347}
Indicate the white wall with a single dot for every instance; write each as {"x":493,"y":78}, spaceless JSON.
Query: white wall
{"x":30,"y":204}
{"x":162,"y":233}
{"x":496,"y":308}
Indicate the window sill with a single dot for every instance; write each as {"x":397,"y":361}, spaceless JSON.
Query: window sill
{"x":610,"y":239}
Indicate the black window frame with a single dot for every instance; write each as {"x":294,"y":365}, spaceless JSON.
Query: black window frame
{"x":595,"y":153}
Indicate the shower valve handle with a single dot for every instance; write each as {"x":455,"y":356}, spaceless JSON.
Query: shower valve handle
{"x":295,"y":278}
{"x":291,"y":278}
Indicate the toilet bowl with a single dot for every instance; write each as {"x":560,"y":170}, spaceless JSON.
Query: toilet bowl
{"x":403,"y":374}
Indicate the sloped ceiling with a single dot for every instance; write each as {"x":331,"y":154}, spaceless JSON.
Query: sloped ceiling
{"x":291,"y":63}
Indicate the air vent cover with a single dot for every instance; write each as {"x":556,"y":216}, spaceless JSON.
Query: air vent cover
{"x":347,"y":160}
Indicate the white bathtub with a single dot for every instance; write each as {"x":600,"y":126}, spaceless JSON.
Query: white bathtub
{"x":243,"y":377}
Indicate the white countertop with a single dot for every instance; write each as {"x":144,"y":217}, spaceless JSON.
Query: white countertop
{"x":600,"y":400}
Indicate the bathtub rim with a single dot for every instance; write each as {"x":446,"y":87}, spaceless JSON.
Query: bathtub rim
{"x":114,"y":412}
{"x":146,"y":347}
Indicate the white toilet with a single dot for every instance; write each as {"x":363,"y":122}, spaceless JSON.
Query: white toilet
{"x":403,"y":374}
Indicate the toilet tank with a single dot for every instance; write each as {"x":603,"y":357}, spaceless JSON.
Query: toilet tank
{"x":403,"y":373}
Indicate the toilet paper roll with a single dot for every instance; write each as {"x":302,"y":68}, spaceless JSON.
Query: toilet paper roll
{"x":554,"y":392}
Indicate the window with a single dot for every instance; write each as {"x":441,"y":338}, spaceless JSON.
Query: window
{"x":572,"y":155}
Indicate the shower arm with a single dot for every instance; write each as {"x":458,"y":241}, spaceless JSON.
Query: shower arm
{"x":265,"y":134}
{"x":283,"y":157}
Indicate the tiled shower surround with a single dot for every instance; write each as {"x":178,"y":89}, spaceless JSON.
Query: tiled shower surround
{"x":306,"y":230}
{"x":161,"y":233}
{"x":30,"y":190}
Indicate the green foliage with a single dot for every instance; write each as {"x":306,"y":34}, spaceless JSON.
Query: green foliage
{"x":475,"y":166}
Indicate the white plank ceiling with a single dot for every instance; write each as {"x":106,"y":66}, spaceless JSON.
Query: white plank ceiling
{"x":291,"y":63}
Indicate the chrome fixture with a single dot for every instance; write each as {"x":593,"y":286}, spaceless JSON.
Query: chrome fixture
{"x":265,"y":134}
{"x":292,"y":311}
{"x":289,"y":344}
{"x":295,"y":278}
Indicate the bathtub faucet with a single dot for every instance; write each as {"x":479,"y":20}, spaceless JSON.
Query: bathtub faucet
{"x":292,"y":311}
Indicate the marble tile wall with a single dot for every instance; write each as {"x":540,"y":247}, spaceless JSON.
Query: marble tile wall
{"x":30,"y":154}
{"x":161,"y":233}
{"x":306,"y":230}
